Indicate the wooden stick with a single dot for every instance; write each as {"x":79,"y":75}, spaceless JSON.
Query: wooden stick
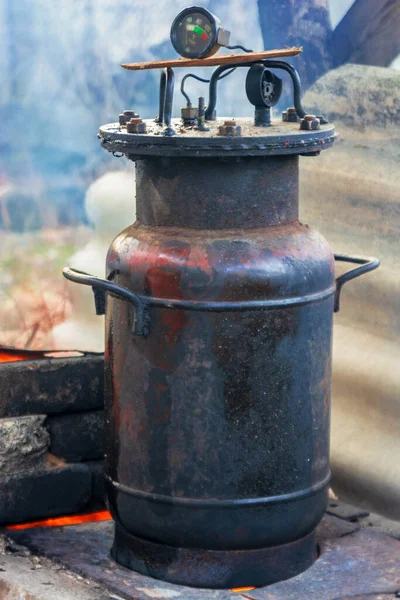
{"x":212,"y":61}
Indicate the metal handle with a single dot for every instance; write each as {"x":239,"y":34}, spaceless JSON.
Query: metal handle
{"x":142,"y":304}
{"x":101,"y":286}
{"x":366,"y":265}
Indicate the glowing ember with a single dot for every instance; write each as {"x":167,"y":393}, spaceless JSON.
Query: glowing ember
{"x":102,"y":515}
{"x":12,"y":355}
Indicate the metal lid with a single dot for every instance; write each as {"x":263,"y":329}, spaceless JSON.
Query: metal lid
{"x":280,"y":138}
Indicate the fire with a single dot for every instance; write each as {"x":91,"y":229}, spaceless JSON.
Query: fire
{"x":12,"y":355}
{"x":102,"y":515}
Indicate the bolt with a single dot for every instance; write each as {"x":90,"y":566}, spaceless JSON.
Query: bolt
{"x":309,"y":123}
{"x":136,"y":125}
{"x":201,"y":111}
{"x":229,"y":128}
{"x":290,"y":115}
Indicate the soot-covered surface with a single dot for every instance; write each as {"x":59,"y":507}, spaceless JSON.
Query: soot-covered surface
{"x":354,"y":563}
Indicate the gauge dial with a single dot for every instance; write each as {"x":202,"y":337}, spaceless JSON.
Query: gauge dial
{"x":194,"y":33}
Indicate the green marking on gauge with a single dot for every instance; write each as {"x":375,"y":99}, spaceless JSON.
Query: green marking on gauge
{"x":198,"y":30}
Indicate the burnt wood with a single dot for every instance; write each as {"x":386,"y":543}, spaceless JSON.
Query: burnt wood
{"x":368,"y":34}
{"x":52,"y":385}
{"x":50,"y":491}
{"x":77,"y":437}
{"x":306,"y":24}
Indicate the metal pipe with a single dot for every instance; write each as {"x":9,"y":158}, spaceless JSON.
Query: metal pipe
{"x":168,"y":101}
{"x":271,"y":64}
{"x":161,"y":98}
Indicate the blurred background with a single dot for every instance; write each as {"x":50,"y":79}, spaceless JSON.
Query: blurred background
{"x":60,"y":79}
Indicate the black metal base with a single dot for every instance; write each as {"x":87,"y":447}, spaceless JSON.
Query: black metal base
{"x":214,"y":568}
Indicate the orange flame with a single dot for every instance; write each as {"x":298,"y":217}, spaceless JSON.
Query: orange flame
{"x":102,"y":515}
{"x":12,"y":356}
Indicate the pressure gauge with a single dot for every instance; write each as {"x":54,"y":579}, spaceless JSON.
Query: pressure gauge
{"x":197,"y":33}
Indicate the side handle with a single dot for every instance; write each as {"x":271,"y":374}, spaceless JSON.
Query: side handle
{"x":102,"y":286}
{"x":366,"y":265}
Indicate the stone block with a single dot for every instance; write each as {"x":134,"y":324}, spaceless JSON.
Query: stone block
{"x":52,"y":385}
{"x":53,"y":490}
{"x":78,"y":436}
{"x":23,"y":443}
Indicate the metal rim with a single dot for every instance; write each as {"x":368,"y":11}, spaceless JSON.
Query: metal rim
{"x":114,"y":140}
{"x":220,"y":504}
{"x":215,"y":569}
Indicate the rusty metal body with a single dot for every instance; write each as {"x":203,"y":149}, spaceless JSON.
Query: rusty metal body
{"x":219,"y":421}
{"x":218,"y":359}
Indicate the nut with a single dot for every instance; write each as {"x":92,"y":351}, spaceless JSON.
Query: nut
{"x":136,"y":125}
{"x":189,"y":113}
{"x":309,"y":123}
{"x":124,"y":117}
{"x":229,"y":128}
{"x":290,"y":115}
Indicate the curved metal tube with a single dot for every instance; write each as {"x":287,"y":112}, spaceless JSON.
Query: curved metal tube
{"x":212,"y":98}
{"x":366,"y":265}
{"x":190,"y":75}
{"x":271,"y":64}
{"x":280,"y":64}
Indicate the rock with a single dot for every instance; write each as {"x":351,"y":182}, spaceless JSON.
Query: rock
{"x":357,"y":96}
{"x":77,"y":437}
{"x":23,"y":443}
